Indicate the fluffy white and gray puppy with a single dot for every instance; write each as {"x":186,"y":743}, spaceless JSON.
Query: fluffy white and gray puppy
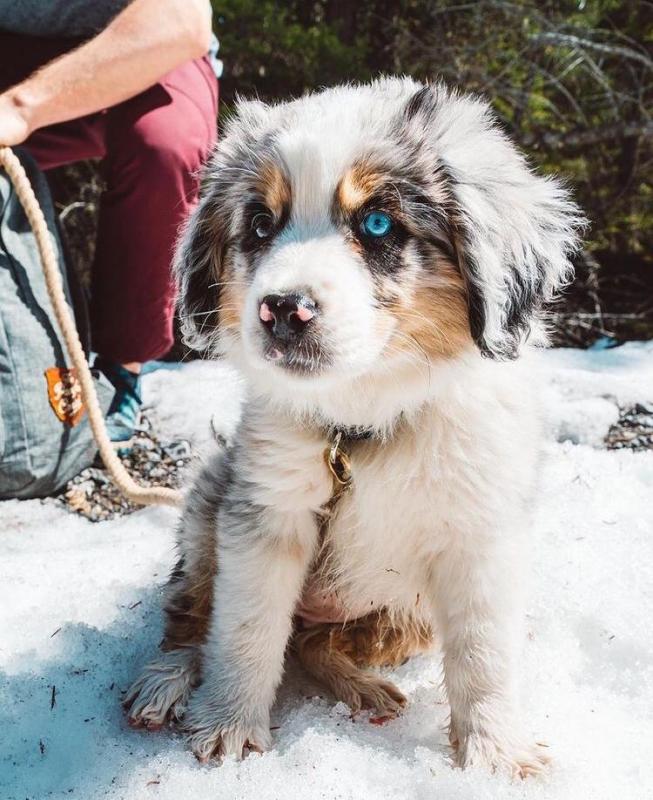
{"x":374,"y":259}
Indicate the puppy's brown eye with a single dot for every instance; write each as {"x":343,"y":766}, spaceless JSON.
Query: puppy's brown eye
{"x":263,"y":225}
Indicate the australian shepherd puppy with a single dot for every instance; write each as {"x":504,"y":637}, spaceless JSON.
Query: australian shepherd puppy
{"x":373,"y":258}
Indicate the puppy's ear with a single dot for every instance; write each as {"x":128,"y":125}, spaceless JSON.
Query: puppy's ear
{"x":202,"y":249}
{"x":198,"y":268}
{"x":513,"y":231}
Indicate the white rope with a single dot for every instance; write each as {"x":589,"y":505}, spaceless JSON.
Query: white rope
{"x":137,"y":494}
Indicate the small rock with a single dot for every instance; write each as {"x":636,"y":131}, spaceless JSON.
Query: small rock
{"x":178,"y":451}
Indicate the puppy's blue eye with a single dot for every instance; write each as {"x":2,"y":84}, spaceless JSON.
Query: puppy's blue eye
{"x":377,"y":224}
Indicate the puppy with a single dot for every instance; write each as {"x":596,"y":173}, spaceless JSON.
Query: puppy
{"x":373,"y":258}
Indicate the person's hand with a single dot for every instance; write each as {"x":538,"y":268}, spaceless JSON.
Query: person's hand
{"x":14,"y":126}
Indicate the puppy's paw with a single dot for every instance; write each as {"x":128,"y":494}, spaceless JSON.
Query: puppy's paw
{"x":513,"y":758}
{"x":210,"y":736}
{"x":161,"y":691}
{"x":367,"y":691}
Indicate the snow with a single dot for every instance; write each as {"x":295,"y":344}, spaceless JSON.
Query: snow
{"x":79,"y":611}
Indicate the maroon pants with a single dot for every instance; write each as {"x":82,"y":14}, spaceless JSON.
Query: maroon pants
{"x":151,"y":147}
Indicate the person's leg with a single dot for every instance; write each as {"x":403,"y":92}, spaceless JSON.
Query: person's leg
{"x":156,"y":144}
{"x":68,"y":142}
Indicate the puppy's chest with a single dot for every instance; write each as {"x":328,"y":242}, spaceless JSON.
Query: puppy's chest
{"x":379,"y":546}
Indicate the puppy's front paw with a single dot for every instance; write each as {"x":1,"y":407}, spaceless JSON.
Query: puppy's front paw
{"x":511,"y":757}
{"x":216,"y":740}
{"x":210,"y":735}
{"x":161,"y":691}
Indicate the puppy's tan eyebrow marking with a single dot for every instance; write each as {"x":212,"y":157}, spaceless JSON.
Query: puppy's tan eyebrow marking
{"x":357,"y":186}
{"x":274,"y":188}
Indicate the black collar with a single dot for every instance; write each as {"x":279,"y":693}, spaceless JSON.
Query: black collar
{"x":356,"y":433}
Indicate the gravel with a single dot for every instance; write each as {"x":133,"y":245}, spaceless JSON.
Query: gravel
{"x":634,"y":430}
{"x":149,"y":461}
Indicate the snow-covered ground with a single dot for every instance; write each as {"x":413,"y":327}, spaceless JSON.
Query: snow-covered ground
{"x":79,"y":615}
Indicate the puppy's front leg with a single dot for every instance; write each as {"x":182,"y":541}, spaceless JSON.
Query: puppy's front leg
{"x":479,"y":608}
{"x":263,"y":555}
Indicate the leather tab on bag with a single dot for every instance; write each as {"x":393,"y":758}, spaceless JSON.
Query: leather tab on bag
{"x":65,"y":394}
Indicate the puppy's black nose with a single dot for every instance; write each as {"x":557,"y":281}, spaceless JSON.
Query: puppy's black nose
{"x":286,"y":316}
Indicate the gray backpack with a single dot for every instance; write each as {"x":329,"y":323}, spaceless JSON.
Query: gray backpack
{"x":45,"y":438}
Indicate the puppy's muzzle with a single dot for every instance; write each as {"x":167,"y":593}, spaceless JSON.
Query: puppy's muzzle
{"x":287,"y":317}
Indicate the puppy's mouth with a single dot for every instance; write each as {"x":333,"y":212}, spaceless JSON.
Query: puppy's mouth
{"x":307,"y":358}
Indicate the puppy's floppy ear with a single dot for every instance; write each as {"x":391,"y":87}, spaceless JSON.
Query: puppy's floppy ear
{"x":202,"y":249}
{"x":198,"y":269}
{"x":513,"y":231}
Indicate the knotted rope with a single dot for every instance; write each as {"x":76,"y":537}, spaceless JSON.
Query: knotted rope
{"x":140,"y":495}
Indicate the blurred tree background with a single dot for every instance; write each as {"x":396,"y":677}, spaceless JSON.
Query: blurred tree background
{"x":572,"y":82}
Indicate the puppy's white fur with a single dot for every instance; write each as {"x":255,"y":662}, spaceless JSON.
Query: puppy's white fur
{"x":436,"y":526}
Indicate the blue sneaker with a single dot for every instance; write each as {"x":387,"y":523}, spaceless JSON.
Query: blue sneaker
{"x":124,"y":412}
